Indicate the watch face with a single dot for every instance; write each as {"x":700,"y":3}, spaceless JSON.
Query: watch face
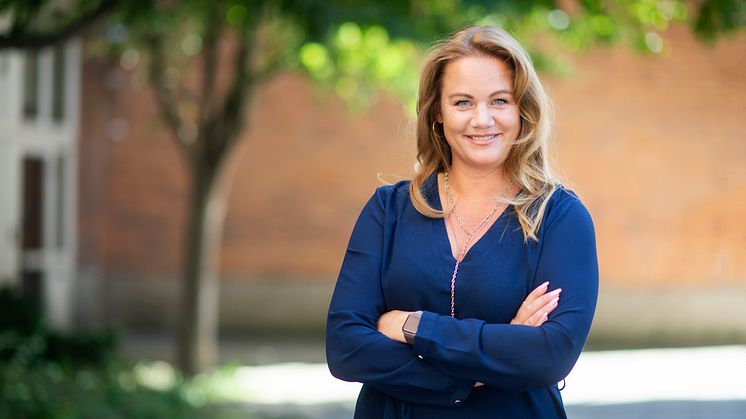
{"x":410,"y":325}
{"x":409,"y":329}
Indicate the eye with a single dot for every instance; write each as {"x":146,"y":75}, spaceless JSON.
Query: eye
{"x":462,"y":103}
{"x":500,"y":102}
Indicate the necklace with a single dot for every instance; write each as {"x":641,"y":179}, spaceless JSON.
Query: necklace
{"x":469,"y":234}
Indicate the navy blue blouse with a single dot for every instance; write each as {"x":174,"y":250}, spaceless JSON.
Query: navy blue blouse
{"x":399,"y":259}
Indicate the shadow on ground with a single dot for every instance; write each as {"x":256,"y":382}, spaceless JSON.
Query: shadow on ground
{"x":726,"y":409}
{"x":289,"y":411}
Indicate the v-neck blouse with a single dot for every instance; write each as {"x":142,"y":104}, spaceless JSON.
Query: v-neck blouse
{"x":398,"y":259}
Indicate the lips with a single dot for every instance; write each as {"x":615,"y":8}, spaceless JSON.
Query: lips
{"x":482,"y":138}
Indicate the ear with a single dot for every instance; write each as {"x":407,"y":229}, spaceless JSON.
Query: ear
{"x":438,"y":117}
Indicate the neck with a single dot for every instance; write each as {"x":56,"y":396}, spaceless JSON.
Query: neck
{"x":469,"y":183}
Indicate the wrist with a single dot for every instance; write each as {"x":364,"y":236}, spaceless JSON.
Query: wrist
{"x":410,"y":326}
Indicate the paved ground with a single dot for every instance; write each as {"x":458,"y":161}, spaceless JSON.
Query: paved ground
{"x":734,"y":409}
{"x":725,"y":409}
{"x":684,"y":383}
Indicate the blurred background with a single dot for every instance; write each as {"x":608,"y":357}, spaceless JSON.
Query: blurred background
{"x":179,"y":179}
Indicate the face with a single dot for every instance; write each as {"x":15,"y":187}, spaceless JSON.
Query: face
{"x":478,"y":111}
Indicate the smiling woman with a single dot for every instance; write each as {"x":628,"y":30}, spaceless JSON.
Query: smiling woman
{"x":448,"y":301}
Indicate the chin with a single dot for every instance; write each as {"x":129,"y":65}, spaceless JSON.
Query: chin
{"x":485,"y":164}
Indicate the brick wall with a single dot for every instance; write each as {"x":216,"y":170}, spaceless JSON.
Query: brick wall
{"x":654,"y":145}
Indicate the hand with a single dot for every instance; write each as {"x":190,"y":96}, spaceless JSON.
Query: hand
{"x":536,"y":308}
{"x":390,"y":324}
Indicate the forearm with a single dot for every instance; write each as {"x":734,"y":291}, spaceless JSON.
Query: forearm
{"x":356,"y":352}
{"x":511,"y":357}
{"x":403,"y":326}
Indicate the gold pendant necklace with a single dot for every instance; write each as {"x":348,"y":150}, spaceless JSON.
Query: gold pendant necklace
{"x":469,"y":234}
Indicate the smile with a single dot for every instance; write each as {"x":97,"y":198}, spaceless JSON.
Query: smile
{"x":482,"y":138}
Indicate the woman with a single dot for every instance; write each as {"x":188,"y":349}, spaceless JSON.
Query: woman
{"x":448,"y":301}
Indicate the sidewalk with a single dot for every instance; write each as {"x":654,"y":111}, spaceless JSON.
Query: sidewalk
{"x":685,"y":383}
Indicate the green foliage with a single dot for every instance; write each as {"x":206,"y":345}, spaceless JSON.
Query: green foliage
{"x":26,"y":341}
{"x":48,"y":375}
{"x":358,"y":62}
{"x":49,"y":391}
{"x":719,"y":16}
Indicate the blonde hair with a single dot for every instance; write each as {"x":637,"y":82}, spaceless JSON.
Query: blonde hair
{"x":527,"y":164}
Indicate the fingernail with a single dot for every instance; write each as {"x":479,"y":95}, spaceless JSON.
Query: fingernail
{"x":557,"y":291}
{"x":544,"y":285}
{"x":554,"y":301}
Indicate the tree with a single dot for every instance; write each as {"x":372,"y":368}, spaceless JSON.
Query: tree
{"x":355,"y":46}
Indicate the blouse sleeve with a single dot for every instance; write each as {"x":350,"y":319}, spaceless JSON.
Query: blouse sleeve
{"x":355,"y":349}
{"x":517,"y":357}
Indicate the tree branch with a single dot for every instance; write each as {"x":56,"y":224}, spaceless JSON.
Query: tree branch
{"x":163,"y":96}
{"x":236,"y":103}
{"x":224,"y":127}
{"x":20,"y":39}
{"x":267,"y":71}
{"x":233,"y":110}
{"x":209,"y":64}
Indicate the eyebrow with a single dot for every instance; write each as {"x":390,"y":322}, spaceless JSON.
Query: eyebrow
{"x":468,"y":96}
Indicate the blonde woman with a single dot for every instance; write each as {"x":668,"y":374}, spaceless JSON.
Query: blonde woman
{"x":469,"y":291}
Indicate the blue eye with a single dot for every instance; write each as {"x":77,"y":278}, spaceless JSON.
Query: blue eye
{"x":500,"y":102}
{"x":462,"y":103}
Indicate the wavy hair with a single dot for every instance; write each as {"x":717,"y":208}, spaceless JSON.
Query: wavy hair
{"x":527,"y":164}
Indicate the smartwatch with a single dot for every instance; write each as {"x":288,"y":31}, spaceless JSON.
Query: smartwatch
{"x":410,"y":326}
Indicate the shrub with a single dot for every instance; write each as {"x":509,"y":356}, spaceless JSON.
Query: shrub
{"x":49,"y":375}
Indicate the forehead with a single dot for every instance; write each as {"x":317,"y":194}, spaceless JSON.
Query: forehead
{"x":477,"y":73}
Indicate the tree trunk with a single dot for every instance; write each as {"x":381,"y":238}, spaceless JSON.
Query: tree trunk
{"x":197,"y":347}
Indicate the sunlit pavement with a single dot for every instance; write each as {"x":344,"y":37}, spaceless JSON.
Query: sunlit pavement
{"x":706,"y":383}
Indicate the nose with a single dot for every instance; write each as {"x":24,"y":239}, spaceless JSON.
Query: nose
{"x":482,"y":117}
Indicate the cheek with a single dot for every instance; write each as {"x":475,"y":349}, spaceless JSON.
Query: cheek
{"x":513,"y":117}
{"x":512,"y":122}
{"x":449,"y":134}
{"x":454,"y":121}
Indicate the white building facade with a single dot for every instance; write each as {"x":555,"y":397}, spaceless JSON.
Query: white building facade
{"x":39,"y":131}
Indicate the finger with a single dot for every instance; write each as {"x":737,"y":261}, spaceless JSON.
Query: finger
{"x":524,"y":312}
{"x":542,"y":306}
{"x":529,"y":306}
{"x":536,"y":293}
{"x":542,"y":315}
{"x":542,"y":301}
{"x":534,"y":302}
{"x":548,"y":309}
{"x":536,"y":319}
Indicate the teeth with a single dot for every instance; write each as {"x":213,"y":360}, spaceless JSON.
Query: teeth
{"x":482,"y":137}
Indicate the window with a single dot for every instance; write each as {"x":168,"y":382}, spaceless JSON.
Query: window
{"x":61,"y":180}
{"x":58,"y":83}
{"x":32,"y":237}
{"x":33,"y":203}
{"x":31,"y":85}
